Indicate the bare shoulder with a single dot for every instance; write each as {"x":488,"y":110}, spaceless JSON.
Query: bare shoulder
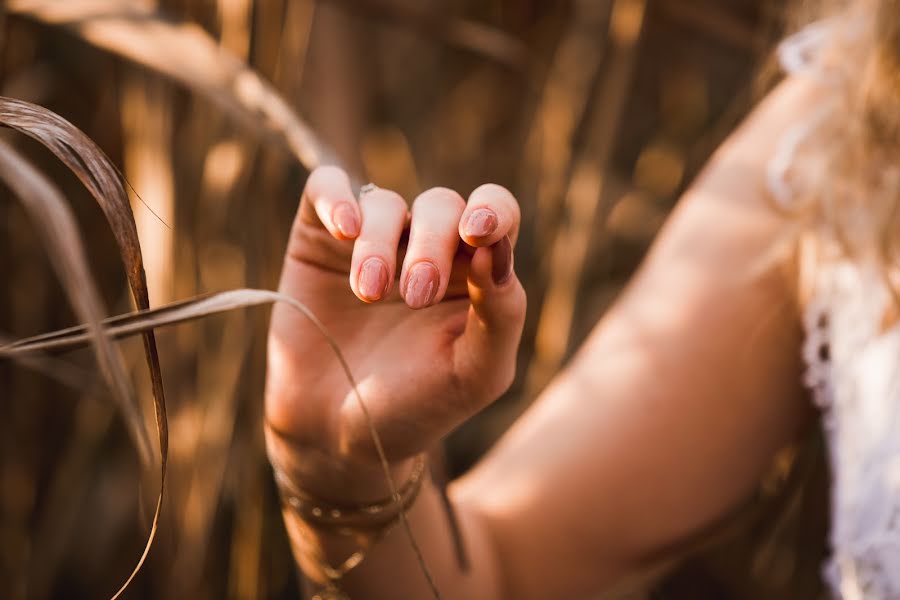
{"x":737,"y":172}
{"x":727,"y":223}
{"x":789,"y":103}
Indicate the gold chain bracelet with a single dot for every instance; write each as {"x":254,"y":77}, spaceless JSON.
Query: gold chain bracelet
{"x":366,"y":523}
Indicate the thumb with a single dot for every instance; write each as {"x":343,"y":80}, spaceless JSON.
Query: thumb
{"x":485,"y":355}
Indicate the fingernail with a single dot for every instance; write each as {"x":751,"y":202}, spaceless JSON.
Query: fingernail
{"x":344,"y":218}
{"x":373,"y":279}
{"x":502,"y":256}
{"x":421,"y":285}
{"x":481,"y":223}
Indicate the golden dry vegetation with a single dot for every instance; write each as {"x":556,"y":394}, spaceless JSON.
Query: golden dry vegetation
{"x":596,"y":113}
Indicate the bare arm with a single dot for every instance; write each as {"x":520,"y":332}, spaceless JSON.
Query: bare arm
{"x":665,"y":420}
{"x":674,"y":407}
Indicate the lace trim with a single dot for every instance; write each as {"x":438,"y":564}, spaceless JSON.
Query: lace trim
{"x":817,"y":353}
{"x":779,"y":166}
{"x":801,"y":52}
{"x":853,"y":371}
{"x":852,"y":368}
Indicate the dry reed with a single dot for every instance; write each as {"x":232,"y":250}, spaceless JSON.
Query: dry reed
{"x":402,"y":95}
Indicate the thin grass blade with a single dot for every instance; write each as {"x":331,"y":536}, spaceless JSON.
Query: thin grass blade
{"x":56,"y":225}
{"x":85,"y":159}
{"x":204,"y":306}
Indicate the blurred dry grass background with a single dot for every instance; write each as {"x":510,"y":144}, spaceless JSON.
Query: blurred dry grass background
{"x":596,"y":113}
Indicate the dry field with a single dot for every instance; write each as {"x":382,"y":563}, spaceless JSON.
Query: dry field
{"x":596,"y":113}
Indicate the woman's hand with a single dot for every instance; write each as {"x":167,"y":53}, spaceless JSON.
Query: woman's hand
{"x":429,"y":322}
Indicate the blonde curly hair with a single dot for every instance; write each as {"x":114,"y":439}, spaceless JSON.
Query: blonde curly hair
{"x":845,"y":177}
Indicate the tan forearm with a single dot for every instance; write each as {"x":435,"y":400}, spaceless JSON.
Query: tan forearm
{"x":391,"y":568}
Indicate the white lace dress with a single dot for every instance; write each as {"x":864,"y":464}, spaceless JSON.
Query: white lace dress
{"x":853,"y":369}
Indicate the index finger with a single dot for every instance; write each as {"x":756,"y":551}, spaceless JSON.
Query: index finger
{"x":328,"y":201}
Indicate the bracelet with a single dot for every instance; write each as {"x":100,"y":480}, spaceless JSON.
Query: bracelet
{"x":367,"y":524}
{"x":331,"y":589}
{"x":351,"y":517}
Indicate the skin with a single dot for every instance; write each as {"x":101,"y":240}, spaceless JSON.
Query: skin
{"x":662,"y":424}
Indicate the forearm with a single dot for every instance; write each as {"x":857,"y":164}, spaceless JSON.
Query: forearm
{"x":391,"y":567}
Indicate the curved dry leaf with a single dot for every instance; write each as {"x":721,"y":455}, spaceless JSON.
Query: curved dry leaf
{"x":188,"y":54}
{"x":103,"y":181}
{"x":56,"y":225}
{"x":198,"y":308}
{"x":90,"y":165}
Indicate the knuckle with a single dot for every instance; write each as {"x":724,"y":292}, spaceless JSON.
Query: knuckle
{"x":365,"y":248}
{"x":494,"y":193}
{"x":440,"y":196}
{"x":495,"y":190}
{"x":385,"y":199}
{"x":326,"y":173}
{"x":426,"y":242}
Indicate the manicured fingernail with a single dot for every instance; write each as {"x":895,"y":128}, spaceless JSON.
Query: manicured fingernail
{"x":421,"y":285}
{"x":373,"y":279}
{"x":502,"y":256}
{"x":481,"y":223}
{"x":344,"y":218}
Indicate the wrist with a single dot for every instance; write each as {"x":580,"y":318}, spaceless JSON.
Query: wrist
{"x":352,"y":518}
{"x":336,"y":478}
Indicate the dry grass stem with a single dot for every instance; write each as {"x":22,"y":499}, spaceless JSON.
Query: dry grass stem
{"x":187,"y":54}
{"x":55,"y":222}
{"x":583,"y":195}
{"x":198,"y":308}
{"x":215,"y":110}
{"x":102,"y":180}
{"x":464,"y":34}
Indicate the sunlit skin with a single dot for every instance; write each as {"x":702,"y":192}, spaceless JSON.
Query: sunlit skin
{"x":664,"y":421}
